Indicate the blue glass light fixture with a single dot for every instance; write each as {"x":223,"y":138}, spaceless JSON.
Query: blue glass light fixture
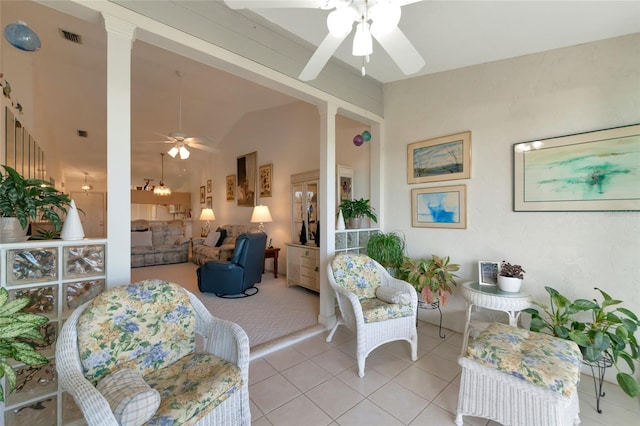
{"x":20,"y":36}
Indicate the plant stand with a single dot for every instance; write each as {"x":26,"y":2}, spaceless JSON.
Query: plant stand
{"x":602,"y":366}
{"x":434,"y":305}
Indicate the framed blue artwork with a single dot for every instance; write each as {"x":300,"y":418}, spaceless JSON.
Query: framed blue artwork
{"x":438,"y":159}
{"x":594,"y":171}
{"x":439,"y":207}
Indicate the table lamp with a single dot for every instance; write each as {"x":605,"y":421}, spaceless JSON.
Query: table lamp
{"x":207,"y":214}
{"x":261,"y":214}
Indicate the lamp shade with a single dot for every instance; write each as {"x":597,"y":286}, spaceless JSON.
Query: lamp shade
{"x":20,"y":36}
{"x":207,"y":214}
{"x":362,"y":42}
{"x":261,"y":214}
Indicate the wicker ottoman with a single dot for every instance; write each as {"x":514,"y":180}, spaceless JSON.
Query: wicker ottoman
{"x":520,"y":378}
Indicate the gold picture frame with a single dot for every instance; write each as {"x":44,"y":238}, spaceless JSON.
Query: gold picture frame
{"x":209,"y":185}
{"x":202,"y":194}
{"x":265,"y":176}
{"x":439,"y":207}
{"x":438,"y":159}
{"x":230,"y":187}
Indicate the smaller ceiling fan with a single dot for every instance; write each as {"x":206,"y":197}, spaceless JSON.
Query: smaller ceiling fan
{"x":180,"y":140}
{"x":375,"y":18}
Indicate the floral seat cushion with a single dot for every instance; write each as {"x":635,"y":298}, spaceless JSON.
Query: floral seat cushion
{"x":357,"y":274}
{"x":374,"y":310}
{"x":192,"y":387}
{"x":538,"y":358}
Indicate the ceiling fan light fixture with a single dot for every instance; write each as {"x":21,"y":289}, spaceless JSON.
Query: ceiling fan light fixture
{"x":385,"y":17}
{"x":184,"y":153}
{"x":362,"y":41}
{"x":340,"y":22}
{"x":173,"y":151}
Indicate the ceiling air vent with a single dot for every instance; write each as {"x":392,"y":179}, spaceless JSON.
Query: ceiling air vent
{"x":72,"y":37}
{"x":83,"y":133}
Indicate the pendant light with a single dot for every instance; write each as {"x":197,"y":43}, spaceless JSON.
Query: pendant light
{"x":86,"y":187}
{"x":161,"y":190}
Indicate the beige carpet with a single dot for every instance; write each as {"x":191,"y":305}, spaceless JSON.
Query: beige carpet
{"x":276,"y":311}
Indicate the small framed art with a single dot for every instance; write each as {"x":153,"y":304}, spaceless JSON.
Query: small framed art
{"x":231,"y":187}
{"x":488,"y":272}
{"x":202,"y":194}
{"x":209,"y":202}
{"x":209,"y":186}
{"x":264,"y":172}
{"x":443,"y":158}
{"x":439,"y":207}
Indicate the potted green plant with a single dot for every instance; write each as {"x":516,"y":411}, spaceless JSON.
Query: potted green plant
{"x":23,"y":199}
{"x":15,"y":328}
{"x":510,"y":277}
{"x":600,"y":331}
{"x":354,"y":210}
{"x":387,"y":250}
{"x":432,"y":278}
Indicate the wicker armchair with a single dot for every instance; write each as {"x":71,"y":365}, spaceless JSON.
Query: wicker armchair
{"x":146,"y":332}
{"x":361,"y":284}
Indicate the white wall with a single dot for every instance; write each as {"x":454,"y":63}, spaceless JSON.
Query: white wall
{"x":571,"y":90}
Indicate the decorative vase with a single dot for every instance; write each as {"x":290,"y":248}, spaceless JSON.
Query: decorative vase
{"x":318,"y":234}
{"x":509,"y":284}
{"x":11,"y":231}
{"x":340,"y":221}
{"x":72,"y":228}
{"x":303,"y":234}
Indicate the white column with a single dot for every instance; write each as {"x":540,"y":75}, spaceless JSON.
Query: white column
{"x":120,"y":36}
{"x":327,"y":209}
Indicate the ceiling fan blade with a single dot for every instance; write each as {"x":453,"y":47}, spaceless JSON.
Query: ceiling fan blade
{"x":203,"y":147}
{"x":320,"y":57}
{"x":401,"y":51}
{"x":277,"y":4}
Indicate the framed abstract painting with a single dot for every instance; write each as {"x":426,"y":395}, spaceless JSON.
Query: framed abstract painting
{"x":439,"y":207}
{"x":594,"y":171}
{"x":438,"y":159}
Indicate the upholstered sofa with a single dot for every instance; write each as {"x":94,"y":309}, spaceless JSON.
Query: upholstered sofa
{"x":215,"y":248}
{"x":157,"y":244}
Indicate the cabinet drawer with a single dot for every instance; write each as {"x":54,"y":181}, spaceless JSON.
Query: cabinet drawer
{"x":308,"y":262}
{"x":309,"y":272}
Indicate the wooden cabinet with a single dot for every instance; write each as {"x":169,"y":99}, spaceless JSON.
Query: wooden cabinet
{"x":148,"y":197}
{"x":58,"y":276}
{"x":303,"y":266}
{"x":304,"y":206}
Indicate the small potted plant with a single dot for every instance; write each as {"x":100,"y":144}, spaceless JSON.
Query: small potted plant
{"x":607,"y":334}
{"x":510,"y":277}
{"x":354,"y":210}
{"x":432,"y":278}
{"x":21,"y":200}
{"x":16,"y":329}
{"x":387,"y":250}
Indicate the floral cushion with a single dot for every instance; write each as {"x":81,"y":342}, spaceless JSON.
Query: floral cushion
{"x":374,"y":310}
{"x":357,"y":273}
{"x":539,"y":358}
{"x":192,"y":387}
{"x":142,"y":326}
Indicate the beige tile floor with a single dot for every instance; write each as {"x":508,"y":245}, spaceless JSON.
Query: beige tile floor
{"x":316,"y":383}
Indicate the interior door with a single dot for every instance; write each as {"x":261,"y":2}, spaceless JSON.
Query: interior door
{"x":93,"y":206}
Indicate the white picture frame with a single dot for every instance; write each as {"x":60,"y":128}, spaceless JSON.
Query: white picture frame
{"x":488,"y":272}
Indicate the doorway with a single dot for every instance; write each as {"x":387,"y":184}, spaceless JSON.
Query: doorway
{"x":93,"y":206}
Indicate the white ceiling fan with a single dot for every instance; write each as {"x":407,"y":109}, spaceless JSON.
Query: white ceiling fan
{"x":374,"y":18}
{"x":180,"y":140}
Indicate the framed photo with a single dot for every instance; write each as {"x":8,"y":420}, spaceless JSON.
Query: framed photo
{"x":345,"y":183}
{"x":202,"y":194}
{"x":439,"y":207}
{"x":443,"y":158}
{"x":230,"y":187}
{"x":247,"y":172}
{"x":209,"y":186}
{"x":594,"y":171}
{"x":209,"y":202}
{"x":488,"y":272}
{"x":265,"y":172}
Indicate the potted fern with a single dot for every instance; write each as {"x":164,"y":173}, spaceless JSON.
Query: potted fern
{"x":387,"y":250}
{"x":15,"y":328}
{"x":601,"y":330}
{"x":432,"y":278}
{"x":21,"y":200}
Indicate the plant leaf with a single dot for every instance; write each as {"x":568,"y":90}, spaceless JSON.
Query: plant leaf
{"x":628,"y":384}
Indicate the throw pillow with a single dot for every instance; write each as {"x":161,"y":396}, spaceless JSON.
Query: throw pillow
{"x":132,"y":401}
{"x":223,"y":235}
{"x":212,"y":239}
{"x":391,"y":295}
{"x":141,"y":239}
